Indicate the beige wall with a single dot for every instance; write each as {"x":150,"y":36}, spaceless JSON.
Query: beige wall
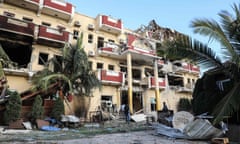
{"x":18,"y":83}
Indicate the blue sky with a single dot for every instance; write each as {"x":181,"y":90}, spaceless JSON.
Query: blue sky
{"x":174,"y":14}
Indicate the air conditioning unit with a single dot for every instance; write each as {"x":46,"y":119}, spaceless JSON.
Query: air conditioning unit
{"x":90,"y":26}
{"x":77,"y":23}
{"x":91,"y":53}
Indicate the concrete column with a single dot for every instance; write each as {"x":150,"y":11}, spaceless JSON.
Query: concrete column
{"x":157,"y":93}
{"x":118,"y":97}
{"x":129,"y":77}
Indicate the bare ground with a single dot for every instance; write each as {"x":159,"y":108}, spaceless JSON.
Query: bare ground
{"x":111,"y":133}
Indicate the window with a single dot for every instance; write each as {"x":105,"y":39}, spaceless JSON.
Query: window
{"x":8,"y":14}
{"x":188,"y":80}
{"x":99,"y":65}
{"x":111,"y":41}
{"x":136,"y":74}
{"x":46,"y":24}
{"x":106,"y":103}
{"x":59,"y":60}
{"x":153,"y":104}
{"x":100,"y":42}
{"x":75,"y":34}
{"x":123,"y":69}
{"x":42,"y":58}
{"x":111,"y":67}
{"x":90,"y":38}
{"x":27,"y":19}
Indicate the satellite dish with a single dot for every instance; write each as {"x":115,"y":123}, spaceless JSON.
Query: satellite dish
{"x":181,"y":119}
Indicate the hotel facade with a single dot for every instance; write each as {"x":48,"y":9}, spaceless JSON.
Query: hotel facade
{"x":126,"y":62}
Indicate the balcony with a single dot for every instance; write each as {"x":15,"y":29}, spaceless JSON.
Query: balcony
{"x":184,"y":90}
{"x":161,"y":82}
{"x":26,"y":4}
{"x":140,"y":48}
{"x":111,"y":77}
{"x":16,"y":29}
{"x":57,"y":8}
{"x":52,"y":37}
{"x":109,"y":24}
{"x":109,"y":49}
{"x":181,"y":67}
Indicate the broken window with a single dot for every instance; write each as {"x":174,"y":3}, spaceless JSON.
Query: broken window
{"x":149,"y":72}
{"x":42,"y":58}
{"x":59,"y":60}
{"x":175,"y":80}
{"x":136,"y":74}
{"x":106,"y":103}
{"x":18,"y":53}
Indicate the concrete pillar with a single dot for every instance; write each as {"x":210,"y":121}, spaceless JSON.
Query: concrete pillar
{"x":129,"y":77}
{"x":157,"y":93}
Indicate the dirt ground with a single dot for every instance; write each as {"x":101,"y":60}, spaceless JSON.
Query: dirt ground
{"x":140,"y":137}
{"x":114,"y":132}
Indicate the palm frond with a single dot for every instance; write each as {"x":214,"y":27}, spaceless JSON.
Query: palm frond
{"x":228,"y":105}
{"x":184,"y":47}
{"x":47,"y":80}
{"x":214,"y":31}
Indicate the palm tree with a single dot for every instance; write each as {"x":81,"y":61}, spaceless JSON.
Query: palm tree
{"x":70,"y":71}
{"x":227,"y":33}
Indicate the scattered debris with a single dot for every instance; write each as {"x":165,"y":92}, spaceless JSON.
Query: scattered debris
{"x":138,"y":117}
{"x":181,"y":119}
{"x":27,"y":125}
{"x":50,"y":128}
{"x":184,"y":126}
{"x":220,"y":141}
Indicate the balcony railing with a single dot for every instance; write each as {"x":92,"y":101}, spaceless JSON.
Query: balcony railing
{"x":50,"y":36}
{"x":161,"y":82}
{"x":16,"y":26}
{"x":26,"y":4}
{"x":186,"y":67}
{"x":58,"y":8}
{"x":140,"y":46}
{"x":181,"y":67}
{"x":109,"y":24}
{"x":109,"y":48}
{"x":111,"y":77}
{"x":184,"y":90}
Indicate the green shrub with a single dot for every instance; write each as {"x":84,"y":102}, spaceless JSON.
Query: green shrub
{"x":58,"y":109}
{"x":37,"y":109}
{"x":13,"y":108}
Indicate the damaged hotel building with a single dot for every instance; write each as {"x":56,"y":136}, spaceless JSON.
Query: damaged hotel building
{"x":125,"y":61}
